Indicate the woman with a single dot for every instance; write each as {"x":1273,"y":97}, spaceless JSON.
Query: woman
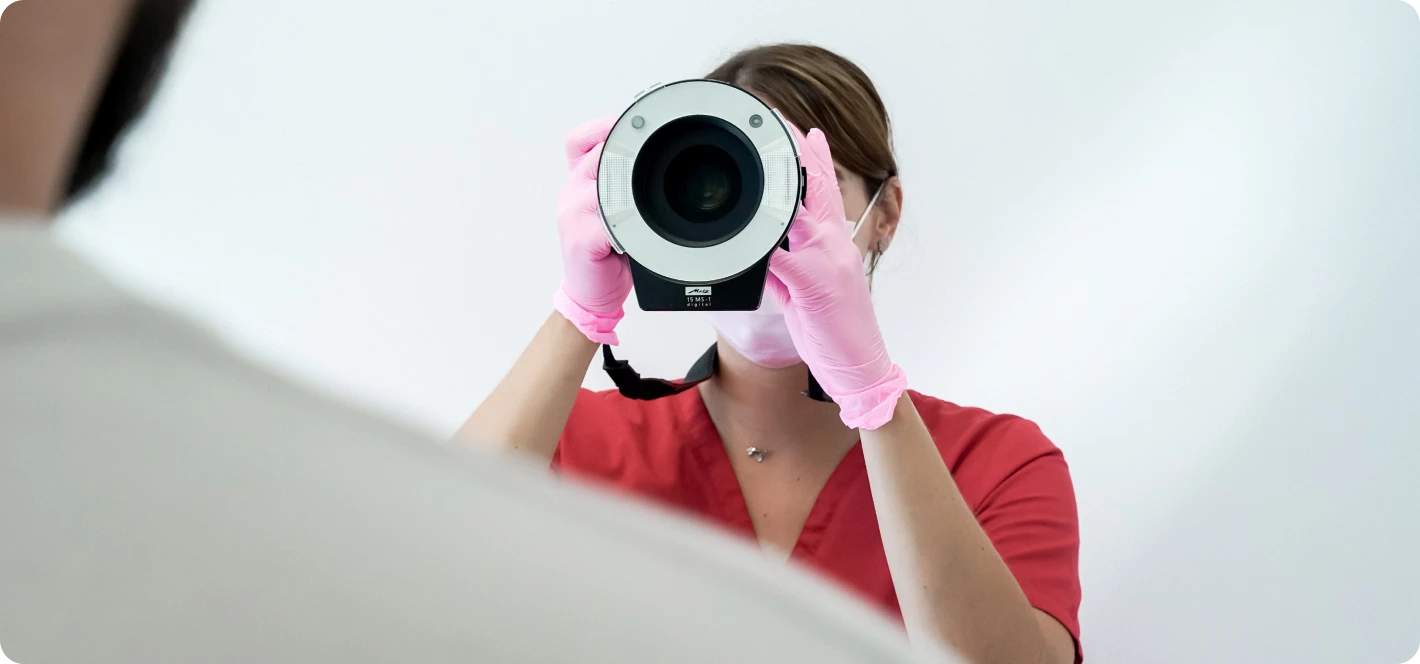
{"x":960,"y":521}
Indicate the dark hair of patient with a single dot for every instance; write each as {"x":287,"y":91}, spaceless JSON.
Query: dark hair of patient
{"x":137,"y":67}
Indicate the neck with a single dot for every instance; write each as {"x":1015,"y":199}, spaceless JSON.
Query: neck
{"x":755,"y":406}
{"x":54,"y":60}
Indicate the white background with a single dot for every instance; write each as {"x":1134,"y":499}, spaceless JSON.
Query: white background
{"x":1180,"y":236}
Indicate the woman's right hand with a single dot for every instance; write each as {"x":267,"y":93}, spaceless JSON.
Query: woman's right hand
{"x":596,"y":280}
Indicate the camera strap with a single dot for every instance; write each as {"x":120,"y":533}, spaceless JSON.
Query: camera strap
{"x":633,"y":386}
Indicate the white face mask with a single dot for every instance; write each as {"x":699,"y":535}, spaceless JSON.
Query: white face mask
{"x":762,"y":336}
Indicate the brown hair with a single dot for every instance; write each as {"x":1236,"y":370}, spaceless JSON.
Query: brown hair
{"x":814,"y":87}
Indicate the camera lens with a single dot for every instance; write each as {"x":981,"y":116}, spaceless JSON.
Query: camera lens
{"x":697,"y":181}
{"x":702,"y":183}
{"x":707,"y":188}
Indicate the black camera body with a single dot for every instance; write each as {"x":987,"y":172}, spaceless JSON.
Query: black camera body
{"x":740,"y":293}
{"x":698,"y":183}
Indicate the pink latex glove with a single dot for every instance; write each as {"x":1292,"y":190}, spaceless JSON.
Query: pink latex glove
{"x":828,"y":309}
{"x":595,"y":279}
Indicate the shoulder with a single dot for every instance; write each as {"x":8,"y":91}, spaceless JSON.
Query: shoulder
{"x":604,"y":415}
{"x":166,"y":424}
{"x":983,"y":448}
{"x":960,"y":431}
{"x":607,"y":430}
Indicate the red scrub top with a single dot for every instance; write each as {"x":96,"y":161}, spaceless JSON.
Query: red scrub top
{"x":1012,"y":476}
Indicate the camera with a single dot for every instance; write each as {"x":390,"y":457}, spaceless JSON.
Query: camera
{"x":697,"y":184}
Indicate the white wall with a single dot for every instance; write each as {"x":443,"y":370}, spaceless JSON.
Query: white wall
{"x":1180,"y":236}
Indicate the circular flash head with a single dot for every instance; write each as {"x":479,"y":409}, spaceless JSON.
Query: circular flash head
{"x":698,"y":181}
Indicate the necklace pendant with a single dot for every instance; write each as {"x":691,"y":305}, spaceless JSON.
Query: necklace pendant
{"x":756,"y":454}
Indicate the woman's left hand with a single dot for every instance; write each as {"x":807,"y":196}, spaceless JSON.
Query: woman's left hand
{"x":827,"y":306}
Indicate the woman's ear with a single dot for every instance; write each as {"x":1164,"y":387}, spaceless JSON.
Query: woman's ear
{"x":889,"y":212}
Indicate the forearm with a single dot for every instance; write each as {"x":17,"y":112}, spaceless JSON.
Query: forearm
{"x":528,"y":409}
{"x":950,"y":582}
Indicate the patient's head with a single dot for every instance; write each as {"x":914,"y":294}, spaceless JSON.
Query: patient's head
{"x":74,"y":75}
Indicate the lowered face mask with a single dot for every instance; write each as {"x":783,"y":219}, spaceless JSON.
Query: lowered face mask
{"x":762,"y":336}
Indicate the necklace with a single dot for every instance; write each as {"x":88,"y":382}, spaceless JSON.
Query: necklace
{"x":757,"y":453}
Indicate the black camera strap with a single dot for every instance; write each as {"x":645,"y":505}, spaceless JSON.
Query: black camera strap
{"x":633,"y":386}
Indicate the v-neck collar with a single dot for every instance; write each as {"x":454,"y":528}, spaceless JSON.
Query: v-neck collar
{"x":708,"y":450}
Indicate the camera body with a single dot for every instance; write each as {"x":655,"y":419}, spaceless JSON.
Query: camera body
{"x":698,"y":182}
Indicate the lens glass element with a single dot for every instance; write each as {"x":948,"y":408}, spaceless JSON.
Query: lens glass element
{"x":702,"y":183}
